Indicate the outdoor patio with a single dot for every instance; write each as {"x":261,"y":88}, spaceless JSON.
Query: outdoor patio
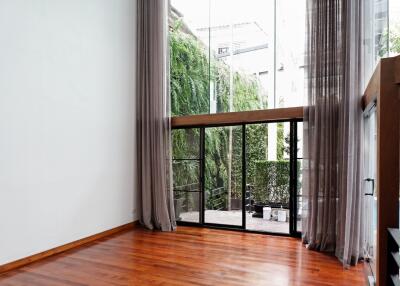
{"x":235,"y":218}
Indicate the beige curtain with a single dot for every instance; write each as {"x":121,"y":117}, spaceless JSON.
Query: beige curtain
{"x":333,"y":197}
{"x":153,"y":117}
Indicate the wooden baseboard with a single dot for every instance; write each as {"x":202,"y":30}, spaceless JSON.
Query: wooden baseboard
{"x":24,"y":261}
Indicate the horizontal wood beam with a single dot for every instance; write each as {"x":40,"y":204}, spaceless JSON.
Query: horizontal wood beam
{"x":372,"y":91}
{"x":236,"y":118}
{"x":397,"y":70}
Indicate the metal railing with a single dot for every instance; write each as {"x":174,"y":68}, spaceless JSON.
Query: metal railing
{"x":217,"y":199}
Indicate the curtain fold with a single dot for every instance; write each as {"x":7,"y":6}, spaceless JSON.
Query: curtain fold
{"x":332,"y":190}
{"x":153,"y":129}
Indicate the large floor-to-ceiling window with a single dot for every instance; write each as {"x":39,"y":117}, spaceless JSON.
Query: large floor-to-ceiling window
{"x":238,"y":56}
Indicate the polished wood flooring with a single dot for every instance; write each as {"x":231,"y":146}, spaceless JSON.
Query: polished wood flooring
{"x":189,"y":256}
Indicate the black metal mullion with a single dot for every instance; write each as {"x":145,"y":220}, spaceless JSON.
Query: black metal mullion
{"x":295,"y":198}
{"x":293,"y":176}
{"x":202,"y":176}
{"x":244,"y":174}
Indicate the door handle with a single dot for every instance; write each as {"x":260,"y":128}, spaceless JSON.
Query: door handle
{"x":373,"y":186}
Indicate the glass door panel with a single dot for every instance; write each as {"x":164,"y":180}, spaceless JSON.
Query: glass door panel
{"x":246,"y":176}
{"x":268,"y":170}
{"x":186,"y":190}
{"x":223,"y":176}
{"x":299,"y":180}
{"x":186,"y":165}
{"x":370,"y":201}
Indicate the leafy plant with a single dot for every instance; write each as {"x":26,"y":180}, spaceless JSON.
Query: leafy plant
{"x":272,"y":182}
{"x":393,"y":38}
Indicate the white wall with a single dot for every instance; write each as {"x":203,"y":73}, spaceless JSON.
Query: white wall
{"x":66,"y":121}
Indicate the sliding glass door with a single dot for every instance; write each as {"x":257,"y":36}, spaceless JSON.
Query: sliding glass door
{"x":268,"y":171}
{"x":244,"y":176}
{"x":370,"y":200}
{"x":223,"y":176}
{"x":186,"y":166}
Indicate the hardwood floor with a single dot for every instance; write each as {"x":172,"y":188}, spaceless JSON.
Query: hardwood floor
{"x":189,"y":256}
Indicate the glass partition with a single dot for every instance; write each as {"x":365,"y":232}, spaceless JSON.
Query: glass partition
{"x":245,"y":176}
{"x":186,"y":167}
{"x":394,"y":27}
{"x":268,"y":171}
{"x":231,"y":56}
{"x":370,"y":194}
{"x":223,"y":175}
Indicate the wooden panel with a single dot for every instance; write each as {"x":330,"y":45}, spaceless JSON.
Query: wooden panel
{"x":372,"y":91}
{"x":388,"y":122}
{"x":232,"y":118}
{"x":397,"y":70}
{"x":189,"y":256}
{"x":65,"y":247}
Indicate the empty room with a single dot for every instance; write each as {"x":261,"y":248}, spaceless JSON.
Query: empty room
{"x":199,"y":142}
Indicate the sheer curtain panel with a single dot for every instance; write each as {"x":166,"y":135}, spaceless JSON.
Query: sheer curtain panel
{"x":333,"y":129}
{"x":153,"y":130}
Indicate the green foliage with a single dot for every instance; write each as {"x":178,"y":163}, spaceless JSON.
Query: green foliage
{"x":191,"y":72}
{"x":394,"y":41}
{"x":280,"y":142}
{"x":246,"y":89}
{"x":272,"y":180}
{"x":189,"y":75}
{"x":217,"y":161}
{"x":185,"y":145}
{"x":256,"y":143}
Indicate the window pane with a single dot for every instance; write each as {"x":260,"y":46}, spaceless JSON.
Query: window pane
{"x":299,"y":186}
{"x":299,"y":194}
{"x":186,"y":143}
{"x":236,"y":55}
{"x":375,"y":37}
{"x":223,"y":175}
{"x":300,"y":141}
{"x":394,"y":27}
{"x":189,"y":58}
{"x":187,"y":206}
{"x":290,"y":52}
{"x":186,"y":186}
{"x":186,"y":174}
{"x":268,"y":177}
{"x":240,"y":39}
